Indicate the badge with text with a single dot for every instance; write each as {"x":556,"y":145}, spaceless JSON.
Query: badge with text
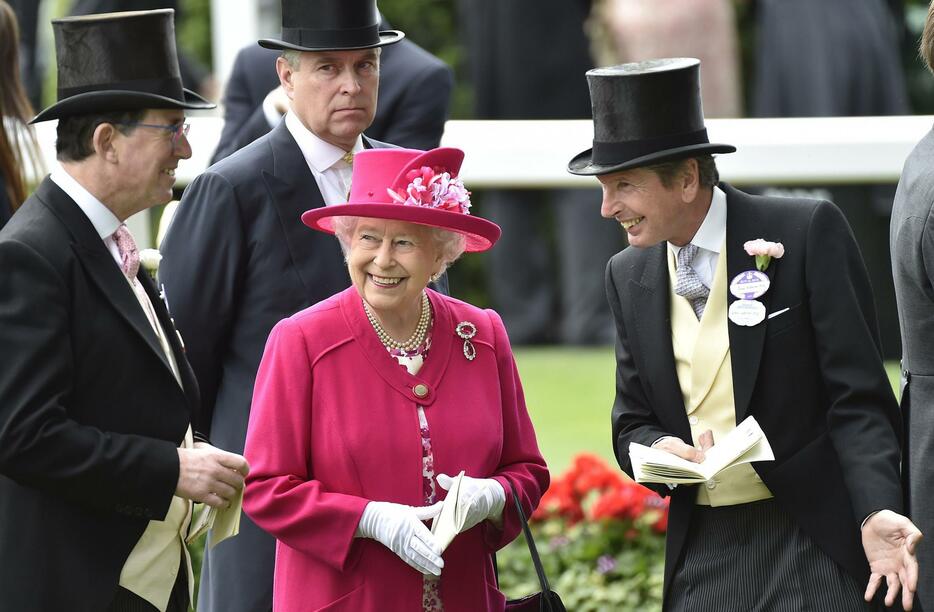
{"x":747,"y":312}
{"x":749,"y":285}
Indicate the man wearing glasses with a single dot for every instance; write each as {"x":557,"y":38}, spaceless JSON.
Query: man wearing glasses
{"x":100,"y":456}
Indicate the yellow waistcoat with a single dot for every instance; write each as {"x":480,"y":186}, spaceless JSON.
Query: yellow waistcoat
{"x":702,"y":359}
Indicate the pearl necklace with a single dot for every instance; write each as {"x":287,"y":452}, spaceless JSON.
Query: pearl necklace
{"x":417,"y":337}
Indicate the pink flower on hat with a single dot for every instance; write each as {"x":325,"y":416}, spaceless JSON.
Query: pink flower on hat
{"x":764,"y":251}
{"x":433,"y":188}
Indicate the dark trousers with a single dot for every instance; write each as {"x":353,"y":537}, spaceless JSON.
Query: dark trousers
{"x":547,"y":271}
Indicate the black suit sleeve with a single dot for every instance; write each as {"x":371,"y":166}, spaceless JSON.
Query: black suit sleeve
{"x":41,"y":445}
{"x":201,"y":275}
{"x":242,"y":134}
{"x":863,"y":418}
{"x":633,"y":419}
{"x":244,"y":120}
{"x":418,"y":122}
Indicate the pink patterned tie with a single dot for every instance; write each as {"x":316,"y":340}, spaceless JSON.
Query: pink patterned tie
{"x":129,"y":254}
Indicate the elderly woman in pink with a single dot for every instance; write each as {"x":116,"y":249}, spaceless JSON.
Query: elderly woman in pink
{"x":368,"y":403}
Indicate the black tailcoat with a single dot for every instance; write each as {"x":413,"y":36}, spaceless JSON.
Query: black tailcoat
{"x":812,"y":376}
{"x":91,"y":414}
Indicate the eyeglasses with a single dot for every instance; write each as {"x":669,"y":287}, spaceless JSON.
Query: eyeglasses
{"x":178,"y":129}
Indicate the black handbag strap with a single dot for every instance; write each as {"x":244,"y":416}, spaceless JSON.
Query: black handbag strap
{"x":536,"y":560}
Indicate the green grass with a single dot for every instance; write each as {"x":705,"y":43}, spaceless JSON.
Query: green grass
{"x":569,"y":394}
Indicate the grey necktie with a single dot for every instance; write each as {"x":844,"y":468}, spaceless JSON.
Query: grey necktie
{"x":688,"y":284}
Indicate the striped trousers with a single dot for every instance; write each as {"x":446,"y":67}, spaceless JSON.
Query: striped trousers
{"x":754,"y":558}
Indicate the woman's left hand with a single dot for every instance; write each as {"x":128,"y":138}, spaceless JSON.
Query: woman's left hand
{"x":483,"y":498}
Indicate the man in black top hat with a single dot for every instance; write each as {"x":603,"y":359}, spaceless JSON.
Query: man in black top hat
{"x":98,"y":458}
{"x":709,"y":334}
{"x":238,"y":258}
{"x":414,"y":96}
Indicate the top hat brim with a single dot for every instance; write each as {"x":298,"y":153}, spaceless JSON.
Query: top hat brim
{"x":107,"y":101}
{"x":386,"y":37}
{"x":582,"y":164}
{"x":480,"y":233}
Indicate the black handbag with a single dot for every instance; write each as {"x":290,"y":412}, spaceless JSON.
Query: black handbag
{"x":546,"y":600}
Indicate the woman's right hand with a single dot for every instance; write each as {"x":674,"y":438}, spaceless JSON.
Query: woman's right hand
{"x":400,"y":529}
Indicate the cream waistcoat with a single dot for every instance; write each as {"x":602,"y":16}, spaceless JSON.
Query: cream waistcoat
{"x":702,"y":359}
{"x":152,"y":567}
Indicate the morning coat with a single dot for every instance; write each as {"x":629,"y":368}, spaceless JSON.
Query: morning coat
{"x":91,"y":415}
{"x":912,"y":245}
{"x":812,"y":375}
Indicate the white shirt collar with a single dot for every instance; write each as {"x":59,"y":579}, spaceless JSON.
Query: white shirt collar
{"x":712,"y":232}
{"x":101,"y":217}
{"x":319,"y":154}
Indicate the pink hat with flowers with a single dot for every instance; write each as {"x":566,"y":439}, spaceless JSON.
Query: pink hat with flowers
{"x":414,"y":186}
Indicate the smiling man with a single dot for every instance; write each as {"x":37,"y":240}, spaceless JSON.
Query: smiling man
{"x":238,"y":258}
{"x":700,"y":347}
{"x":99,"y":409}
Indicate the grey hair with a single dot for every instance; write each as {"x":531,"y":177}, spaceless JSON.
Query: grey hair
{"x":294,"y":57}
{"x":926,"y":46}
{"x":450,"y":245}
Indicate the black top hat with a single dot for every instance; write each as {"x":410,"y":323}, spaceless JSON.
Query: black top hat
{"x":331,"y":25}
{"x":645,"y":113}
{"x":118,"y":62}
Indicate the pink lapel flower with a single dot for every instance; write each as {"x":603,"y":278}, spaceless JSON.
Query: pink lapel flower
{"x":433,"y":188}
{"x":764,"y":251}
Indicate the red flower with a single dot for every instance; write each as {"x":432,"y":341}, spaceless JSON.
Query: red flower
{"x":559,"y":501}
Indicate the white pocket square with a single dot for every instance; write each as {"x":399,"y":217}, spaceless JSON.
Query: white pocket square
{"x":778,"y":312}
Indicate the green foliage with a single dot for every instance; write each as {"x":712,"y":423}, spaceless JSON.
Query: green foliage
{"x":601,"y":539}
{"x":193,"y":29}
{"x":434,"y":26}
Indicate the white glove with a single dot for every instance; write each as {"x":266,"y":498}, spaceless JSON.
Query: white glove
{"x":400,"y":529}
{"x":483,"y":499}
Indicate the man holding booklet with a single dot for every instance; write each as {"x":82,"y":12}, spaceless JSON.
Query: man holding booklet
{"x":734,"y":309}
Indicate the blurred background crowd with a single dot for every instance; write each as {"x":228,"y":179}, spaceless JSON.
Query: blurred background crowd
{"x":525,"y":59}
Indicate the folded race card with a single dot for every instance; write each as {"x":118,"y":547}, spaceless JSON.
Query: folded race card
{"x":453,"y":514}
{"x":745,"y":444}
{"x":222,"y":523}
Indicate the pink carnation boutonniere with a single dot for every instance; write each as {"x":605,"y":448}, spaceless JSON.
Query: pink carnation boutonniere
{"x":433,"y":188}
{"x":764,"y":251}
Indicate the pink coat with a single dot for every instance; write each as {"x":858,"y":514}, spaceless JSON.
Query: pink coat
{"x":334,"y":425}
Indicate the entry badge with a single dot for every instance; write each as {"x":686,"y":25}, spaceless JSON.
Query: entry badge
{"x":747,"y":312}
{"x":749,"y":285}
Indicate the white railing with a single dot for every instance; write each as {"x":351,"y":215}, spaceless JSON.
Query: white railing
{"x":820,"y":151}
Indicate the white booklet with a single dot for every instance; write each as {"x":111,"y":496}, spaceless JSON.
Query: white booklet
{"x":449,"y":522}
{"x":745,"y":444}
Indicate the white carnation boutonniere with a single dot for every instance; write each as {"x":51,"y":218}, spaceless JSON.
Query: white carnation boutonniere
{"x":150,"y":260}
{"x":764,"y":251}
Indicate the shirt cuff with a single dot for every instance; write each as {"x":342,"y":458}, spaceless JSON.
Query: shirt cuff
{"x":660,"y":439}
{"x":273,"y":117}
